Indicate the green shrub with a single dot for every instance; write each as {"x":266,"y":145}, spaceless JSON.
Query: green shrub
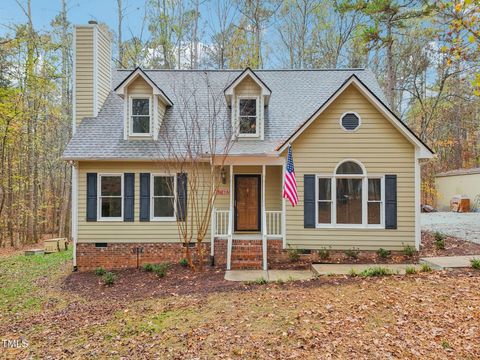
{"x":352,"y":253}
{"x":324,"y":253}
{"x":109,"y":278}
{"x":259,"y":281}
{"x":439,"y":240}
{"x":410,"y":270}
{"x":183,"y":262}
{"x":383,"y":254}
{"x":376,"y":271}
{"x":148,"y":267}
{"x":446,"y":345}
{"x":475,"y":264}
{"x":425,"y":268}
{"x":100,"y":271}
{"x":160,"y":269}
{"x":293,"y":254}
{"x":409,"y":251}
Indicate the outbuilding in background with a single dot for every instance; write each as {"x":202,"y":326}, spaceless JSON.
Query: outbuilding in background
{"x":463,"y":182}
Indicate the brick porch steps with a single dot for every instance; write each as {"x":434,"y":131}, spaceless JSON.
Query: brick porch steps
{"x":246,"y":254}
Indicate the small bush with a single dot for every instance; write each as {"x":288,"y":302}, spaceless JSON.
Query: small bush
{"x":100,"y":271}
{"x":425,"y":268}
{"x":324,"y":253}
{"x":446,"y":345}
{"x":352,"y":253}
{"x":183,"y":262}
{"x":409,"y":251}
{"x":259,"y":281}
{"x":352,"y":273}
{"x":410,"y":270}
{"x":383,"y":254}
{"x":148,"y":267}
{"x":293,"y":254}
{"x":376,"y":271}
{"x":160,"y":269}
{"x":439,"y":240}
{"x":109,"y":278}
{"x":475,"y":264}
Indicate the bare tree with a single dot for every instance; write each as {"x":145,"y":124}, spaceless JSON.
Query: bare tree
{"x":197,"y":144}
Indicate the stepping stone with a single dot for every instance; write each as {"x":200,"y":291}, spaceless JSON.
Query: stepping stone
{"x":449,"y":262}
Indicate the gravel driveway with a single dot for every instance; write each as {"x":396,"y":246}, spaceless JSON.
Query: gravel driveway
{"x":462,"y":225}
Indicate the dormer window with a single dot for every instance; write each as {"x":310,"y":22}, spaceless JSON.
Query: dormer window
{"x":140,"y":118}
{"x":248,"y":116}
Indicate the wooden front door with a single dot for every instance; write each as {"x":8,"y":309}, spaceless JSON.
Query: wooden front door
{"x":247,"y":202}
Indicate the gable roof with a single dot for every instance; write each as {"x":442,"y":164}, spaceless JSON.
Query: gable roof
{"x":296,"y":95}
{"x":425,"y":151}
{"x":120,"y":89}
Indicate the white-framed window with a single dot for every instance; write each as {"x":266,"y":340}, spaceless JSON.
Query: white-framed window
{"x":110,"y":197}
{"x":349,"y":197}
{"x":140,"y":115}
{"x":248,"y":116}
{"x":163,"y":197}
{"x":350,"y":121}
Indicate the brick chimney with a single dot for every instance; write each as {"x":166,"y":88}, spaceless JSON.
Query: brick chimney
{"x":92,"y":70}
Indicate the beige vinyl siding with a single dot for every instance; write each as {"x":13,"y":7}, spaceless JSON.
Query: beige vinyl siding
{"x":120,"y":231}
{"x":83,"y":72}
{"x":248,"y":87}
{"x":91,"y":54}
{"x":104,"y":58}
{"x":381,"y":149}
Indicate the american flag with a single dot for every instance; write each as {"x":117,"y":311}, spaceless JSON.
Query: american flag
{"x":290,"y":184}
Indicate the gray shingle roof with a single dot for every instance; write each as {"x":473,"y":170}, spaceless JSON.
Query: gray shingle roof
{"x":296,"y":95}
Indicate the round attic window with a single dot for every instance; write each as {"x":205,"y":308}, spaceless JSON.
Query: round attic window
{"x":350,"y":121}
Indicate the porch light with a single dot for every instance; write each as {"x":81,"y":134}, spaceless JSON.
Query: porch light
{"x":223,"y":175}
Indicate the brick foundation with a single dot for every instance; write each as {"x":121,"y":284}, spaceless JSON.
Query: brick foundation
{"x":121,"y":255}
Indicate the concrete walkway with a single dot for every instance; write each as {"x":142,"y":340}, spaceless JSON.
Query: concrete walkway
{"x":449,"y":262}
{"x":269,"y":275}
{"x":345,"y":269}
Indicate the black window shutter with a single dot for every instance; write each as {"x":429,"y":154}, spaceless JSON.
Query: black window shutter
{"x":182,"y":184}
{"x":91,"y":196}
{"x":390,"y":201}
{"x":128,"y":196}
{"x":309,"y":201}
{"x":145,"y":197}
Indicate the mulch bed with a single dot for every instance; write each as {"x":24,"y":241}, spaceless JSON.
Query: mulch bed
{"x":453,"y":246}
{"x":138,"y":284}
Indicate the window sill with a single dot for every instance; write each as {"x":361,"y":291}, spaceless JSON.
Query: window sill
{"x":110,"y":219}
{"x":350,"y":227}
{"x":163,"y":219}
{"x":140,"y":136}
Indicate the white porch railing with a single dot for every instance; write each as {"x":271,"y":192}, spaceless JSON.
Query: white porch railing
{"x":221,"y":222}
{"x":221,"y":219}
{"x":274,"y":223}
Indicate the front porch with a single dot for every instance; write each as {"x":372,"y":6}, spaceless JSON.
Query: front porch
{"x":249,"y":212}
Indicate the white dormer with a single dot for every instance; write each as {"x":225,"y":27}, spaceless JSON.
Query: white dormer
{"x":247,"y":96}
{"x":144,"y":106}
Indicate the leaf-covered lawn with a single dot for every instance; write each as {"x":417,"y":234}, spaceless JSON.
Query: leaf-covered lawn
{"x":434,"y":315}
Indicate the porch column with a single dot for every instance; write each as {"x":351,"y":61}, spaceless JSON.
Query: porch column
{"x":264,"y":222}
{"x":230,"y":223}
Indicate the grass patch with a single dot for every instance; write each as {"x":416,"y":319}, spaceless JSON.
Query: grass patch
{"x":259,"y":281}
{"x":324,"y":253}
{"x":293,"y":255}
{"x":20,"y":276}
{"x":352,"y":273}
{"x":475,"y":263}
{"x":410,"y":270}
{"x":425,"y":268}
{"x":376,"y":271}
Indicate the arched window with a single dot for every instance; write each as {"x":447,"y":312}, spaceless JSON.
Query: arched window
{"x":350,"y":121}
{"x":349,"y":198}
